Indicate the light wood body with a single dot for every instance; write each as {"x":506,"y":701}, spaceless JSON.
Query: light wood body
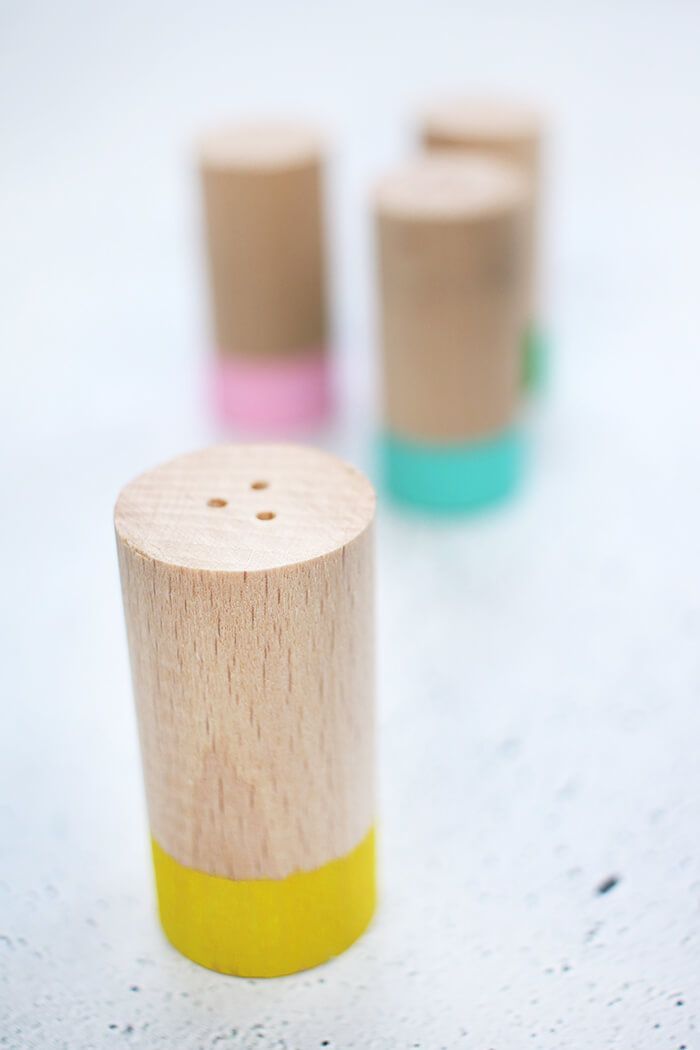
{"x":451,"y":238}
{"x":263,"y":206}
{"x":251,"y":643}
{"x":507,"y":131}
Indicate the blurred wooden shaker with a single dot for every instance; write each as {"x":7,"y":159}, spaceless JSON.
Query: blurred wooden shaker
{"x":451,"y":240}
{"x":263,"y":206}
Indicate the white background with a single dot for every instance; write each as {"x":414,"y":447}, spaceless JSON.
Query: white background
{"x":539,"y":668}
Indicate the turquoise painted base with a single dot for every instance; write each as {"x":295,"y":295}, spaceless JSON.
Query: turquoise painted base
{"x":535,"y":359}
{"x":452,"y":478}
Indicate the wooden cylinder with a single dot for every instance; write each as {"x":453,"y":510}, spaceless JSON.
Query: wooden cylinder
{"x":512,"y":133}
{"x":248,"y":592}
{"x":451,"y":256}
{"x":263,"y":205}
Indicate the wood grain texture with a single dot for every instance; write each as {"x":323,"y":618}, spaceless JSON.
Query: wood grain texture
{"x":506,"y":130}
{"x":263,"y":204}
{"x":452,"y":242}
{"x":251,"y":642}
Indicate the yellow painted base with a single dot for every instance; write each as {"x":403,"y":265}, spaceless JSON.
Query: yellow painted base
{"x":266,"y":927}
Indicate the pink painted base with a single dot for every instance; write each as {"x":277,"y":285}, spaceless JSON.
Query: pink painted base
{"x":272,"y":397}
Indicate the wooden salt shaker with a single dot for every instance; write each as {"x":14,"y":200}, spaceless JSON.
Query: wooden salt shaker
{"x":248,"y":592}
{"x":263,"y":203}
{"x":451,"y":239}
{"x":512,"y":133}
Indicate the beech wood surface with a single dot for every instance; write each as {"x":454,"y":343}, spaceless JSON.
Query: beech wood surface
{"x":263,"y":207}
{"x":452,"y":242}
{"x":248,"y":591}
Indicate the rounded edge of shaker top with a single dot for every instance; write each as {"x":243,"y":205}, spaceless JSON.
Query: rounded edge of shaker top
{"x":245,"y":508}
{"x":263,"y":145}
{"x":443,"y":186}
{"x":482,"y":119}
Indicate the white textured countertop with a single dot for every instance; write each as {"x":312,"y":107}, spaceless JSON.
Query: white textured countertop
{"x":539,"y":669}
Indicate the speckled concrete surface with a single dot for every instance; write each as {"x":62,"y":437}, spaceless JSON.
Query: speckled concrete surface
{"x":539,"y":669}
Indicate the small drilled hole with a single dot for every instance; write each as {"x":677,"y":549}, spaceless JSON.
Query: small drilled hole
{"x":259,"y":484}
{"x":265,"y":515}
{"x":217,"y":503}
